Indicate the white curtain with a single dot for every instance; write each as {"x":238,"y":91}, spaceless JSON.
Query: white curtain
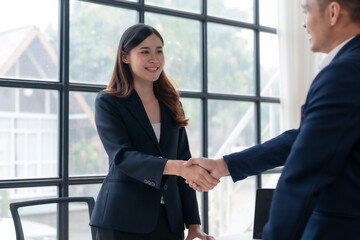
{"x":298,"y":64}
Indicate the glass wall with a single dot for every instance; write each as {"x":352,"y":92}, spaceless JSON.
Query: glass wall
{"x":221,"y":55}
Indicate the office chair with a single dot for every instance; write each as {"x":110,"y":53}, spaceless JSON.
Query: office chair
{"x":63,"y":201}
{"x":262,"y":210}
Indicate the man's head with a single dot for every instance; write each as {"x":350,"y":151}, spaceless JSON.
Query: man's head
{"x":351,"y":6}
{"x":330,"y":22}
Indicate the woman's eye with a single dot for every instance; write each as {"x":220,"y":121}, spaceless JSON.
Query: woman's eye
{"x":145,"y":52}
{"x":160,"y":51}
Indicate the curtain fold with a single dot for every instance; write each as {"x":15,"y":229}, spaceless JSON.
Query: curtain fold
{"x":298,"y":64}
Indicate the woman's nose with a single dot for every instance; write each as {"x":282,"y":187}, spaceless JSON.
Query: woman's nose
{"x":153,"y":58}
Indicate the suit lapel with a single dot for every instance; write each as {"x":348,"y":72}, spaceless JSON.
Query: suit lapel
{"x":137,"y":110}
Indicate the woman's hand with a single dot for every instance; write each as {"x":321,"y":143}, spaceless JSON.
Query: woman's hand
{"x":196,"y":232}
{"x":193,"y":173}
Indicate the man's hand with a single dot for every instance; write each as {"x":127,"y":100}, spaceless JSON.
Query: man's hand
{"x":200,"y":176}
{"x":217,"y":169}
{"x":192,"y":173}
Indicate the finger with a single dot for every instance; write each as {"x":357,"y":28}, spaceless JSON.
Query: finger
{"x":208,"y":180}
{"x":190,"y":162}
{"x":197,"y":187}
{"x":192,"y":185}
{"x":211,"y":179}
{"x":206,"y":186}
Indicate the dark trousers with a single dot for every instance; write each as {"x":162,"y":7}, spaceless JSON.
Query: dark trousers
{"x":161,"y":232}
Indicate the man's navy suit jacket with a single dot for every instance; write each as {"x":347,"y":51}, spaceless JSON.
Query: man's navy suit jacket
{"x":318,"y":193}
{"x":129,"y":199}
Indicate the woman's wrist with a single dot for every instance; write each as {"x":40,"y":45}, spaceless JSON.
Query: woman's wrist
{"x":194,"y":226}
{"x":173,"y":167}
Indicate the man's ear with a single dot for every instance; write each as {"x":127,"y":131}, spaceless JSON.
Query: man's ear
{"x":334,"y":12}
{"x":125,"y":58}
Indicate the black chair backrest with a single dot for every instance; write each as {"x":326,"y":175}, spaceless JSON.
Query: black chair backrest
{"x":14,"y":206}
{"x":262,"y":209}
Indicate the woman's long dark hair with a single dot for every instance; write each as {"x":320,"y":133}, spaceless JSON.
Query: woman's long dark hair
{"x":122,"y":83}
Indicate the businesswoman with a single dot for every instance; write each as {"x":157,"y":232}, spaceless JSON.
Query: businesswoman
{"x":141,"y":123}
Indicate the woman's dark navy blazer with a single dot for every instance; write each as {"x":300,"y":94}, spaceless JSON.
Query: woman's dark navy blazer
{"x":129,"y":199}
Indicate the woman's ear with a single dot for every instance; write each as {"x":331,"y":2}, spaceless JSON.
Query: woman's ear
{"x":125,"y":58}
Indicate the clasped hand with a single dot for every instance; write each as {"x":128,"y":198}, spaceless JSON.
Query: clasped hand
{"x":203,"y":174}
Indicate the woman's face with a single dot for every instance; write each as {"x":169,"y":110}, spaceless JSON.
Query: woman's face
{"x":146,"y":61}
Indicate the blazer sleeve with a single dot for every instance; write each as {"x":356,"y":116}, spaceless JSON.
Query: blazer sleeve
{"x":261,"y":157}
{"x":187,"y":194}
{"x":114,"y":136}
{"x":329,"y":131}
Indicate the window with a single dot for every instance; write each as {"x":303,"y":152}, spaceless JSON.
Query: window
{"x":221,"y":55}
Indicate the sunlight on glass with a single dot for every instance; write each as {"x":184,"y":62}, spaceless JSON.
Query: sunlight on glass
{"x":86,"y":152}
{"x":268,"y":13}
{"x":269,"y":65}
{"x":270,"y":180}
{"x":35,"y":224}
{"x":231,"y":208}
{"x":28,"y":133}
{"x":192,"y":109}
{"x":230,"y":59}
{"x":232,"y":9}
{"x":183,"y":5}
{"x":95,"y":31}
{"x":270,"y":121}
{"x":29,"y":39}
{"x":231,"y":129}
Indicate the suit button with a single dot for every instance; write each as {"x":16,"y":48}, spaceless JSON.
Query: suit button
{"x":165,"y":186}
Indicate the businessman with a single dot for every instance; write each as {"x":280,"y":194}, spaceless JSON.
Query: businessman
{"x":318,"y":193}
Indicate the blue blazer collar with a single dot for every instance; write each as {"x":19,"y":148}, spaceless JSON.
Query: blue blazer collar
{"x":349,"y":47}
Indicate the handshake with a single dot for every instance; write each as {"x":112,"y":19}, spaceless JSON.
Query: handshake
{"x":203,"y":174}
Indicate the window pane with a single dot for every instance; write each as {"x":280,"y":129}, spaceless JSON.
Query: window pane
{"x":270,"y":121}
{"x":30,"y":225}
{"x":230,"y":60}
{"x":184,"y":5}
{"x":270,"y":180}
{"x":193,"y":110}
{"x":237,"y":10}
{"x":95,"y":31}
{"x":269,"y":65}
{"x":268,"y":13}
{"x":88,"y":190}
{"x":40,"y":221}
{"x":181,"y":48}
{"x":231,"y":129}
{"x":29,"y":44}
{"x":7,"y":100}
{"x":30,"y":136}
{"x":79,"y":219}
{"x":86,"y":152}
{"x":79,"y":225}
{"x":231,"y":208}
